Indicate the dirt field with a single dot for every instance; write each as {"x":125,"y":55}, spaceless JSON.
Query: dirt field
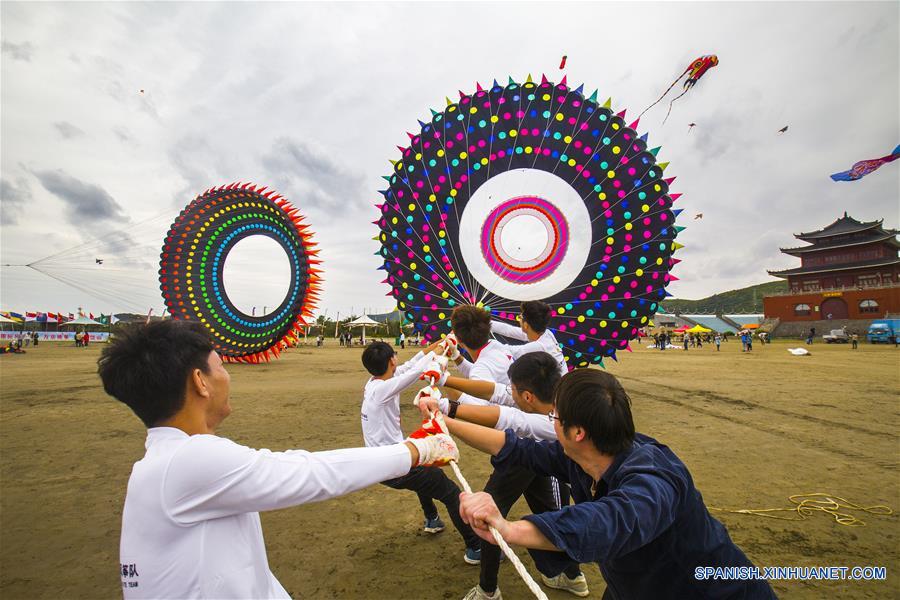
{"x":753,"y":429}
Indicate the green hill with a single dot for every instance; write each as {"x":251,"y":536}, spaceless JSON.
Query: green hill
{"x":744,"y":300}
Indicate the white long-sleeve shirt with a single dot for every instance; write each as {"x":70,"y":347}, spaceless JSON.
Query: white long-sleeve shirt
{"x":380,"y":412}
{"x":526,"y":425}
{"x":546,"y":343}
{"x":190,"y":526}
{"x":492,"y":364}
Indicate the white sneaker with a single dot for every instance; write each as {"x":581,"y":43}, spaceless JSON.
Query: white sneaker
{"x":476,"y":593}
{"x":577,"y":586}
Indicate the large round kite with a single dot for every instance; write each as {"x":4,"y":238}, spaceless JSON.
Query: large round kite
{"x":531,"y":191}
{"x":193,"y":259}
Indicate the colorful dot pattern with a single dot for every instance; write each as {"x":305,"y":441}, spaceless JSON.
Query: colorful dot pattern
{"x":193,"y":259}
{"x":550,"y":127}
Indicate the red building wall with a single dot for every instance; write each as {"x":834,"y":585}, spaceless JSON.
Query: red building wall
{"x":785,"y":307}
{"x":838,"y":256}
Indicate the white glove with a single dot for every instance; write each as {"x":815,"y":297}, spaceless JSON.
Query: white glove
{"x":427,"y":393}
{"x":435,"y":447}
{"x":435,"y":368}
{"x":450,"y":346}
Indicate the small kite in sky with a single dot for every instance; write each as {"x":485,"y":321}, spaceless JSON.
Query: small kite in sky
{"x":562,"y":63}
{"x":691,"y":126}
{"x":783,"y":129}
{"x":99,"y":261}
{"x":698,"y":67}
{"x":142,"y":91}
{"x":864,"y":167}
{"x":698,"y":216}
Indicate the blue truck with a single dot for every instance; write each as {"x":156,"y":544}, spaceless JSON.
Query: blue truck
{"x":882,"y":330}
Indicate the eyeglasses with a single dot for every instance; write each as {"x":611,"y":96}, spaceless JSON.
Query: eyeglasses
{"x":552,"y":416}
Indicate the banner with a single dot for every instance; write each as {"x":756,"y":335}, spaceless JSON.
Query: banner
{"x":54,"y":336}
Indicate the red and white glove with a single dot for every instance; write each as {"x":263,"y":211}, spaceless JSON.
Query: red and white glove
{"x":436,"y":448}
{"x":435,"y":369}
{"x":450,"y":346}
{"x":427,"y":393}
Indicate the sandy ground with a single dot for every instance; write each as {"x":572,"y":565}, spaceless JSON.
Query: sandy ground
{"x":753,"y":429}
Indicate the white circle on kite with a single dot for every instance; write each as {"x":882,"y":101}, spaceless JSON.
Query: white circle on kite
{"x":256,"y":275}
{"x":524,"y":237}
{"x":525,"y":183}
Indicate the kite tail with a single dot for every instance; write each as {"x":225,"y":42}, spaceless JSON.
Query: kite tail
{"x":663,"y":96}
{"x":673,"y":102}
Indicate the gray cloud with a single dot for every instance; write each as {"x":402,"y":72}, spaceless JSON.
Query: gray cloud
{"x":313,"y":180}
{"x":86,"y":203}
{"x":67,"y":130}
{"x":23,"y":51}
{"x":13,"y":198}
{"x":123,"y":134}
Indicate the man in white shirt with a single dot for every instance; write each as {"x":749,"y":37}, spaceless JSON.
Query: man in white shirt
{"x":380,"y":415}
{"x":190,"y":525}
{"x":472,"y":330}
{"x":533,"y":330}
{"x":533,"y":378}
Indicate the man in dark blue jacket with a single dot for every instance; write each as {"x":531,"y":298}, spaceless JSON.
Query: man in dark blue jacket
{"x":636,"y":513}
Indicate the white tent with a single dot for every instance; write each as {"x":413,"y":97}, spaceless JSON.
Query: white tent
{"x":364,"y":321}
{"x":82,"y":320}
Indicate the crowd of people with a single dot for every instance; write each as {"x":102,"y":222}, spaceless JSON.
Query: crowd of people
{"x":599,"y":491}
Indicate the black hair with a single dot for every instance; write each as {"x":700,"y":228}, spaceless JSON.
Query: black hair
{"x":535,"y":372}
{"x":147,"y":366}
{"x":472,"y":326}
{"x":536,"y":314}
{"x":596,"y":401}
{"x":376,"y":356}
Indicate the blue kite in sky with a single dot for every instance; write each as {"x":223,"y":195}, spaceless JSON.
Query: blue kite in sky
{"x":864,"y":167}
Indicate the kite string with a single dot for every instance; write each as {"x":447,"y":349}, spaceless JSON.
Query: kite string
{"x":807,"y":504}
{"x":513,"y":559}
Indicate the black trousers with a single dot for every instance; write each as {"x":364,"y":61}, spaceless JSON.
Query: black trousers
{"x":542,"y":494}
{"x":430,"y":484}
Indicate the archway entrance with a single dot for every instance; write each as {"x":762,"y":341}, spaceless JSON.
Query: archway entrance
{"x":834,"y":308}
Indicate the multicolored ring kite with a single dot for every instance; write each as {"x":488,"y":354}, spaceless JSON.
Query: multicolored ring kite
{"x":193,"y":258}
{"x":545,"y":151}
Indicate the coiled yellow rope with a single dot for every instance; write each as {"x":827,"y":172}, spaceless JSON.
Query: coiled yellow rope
{"x":805,"y":505}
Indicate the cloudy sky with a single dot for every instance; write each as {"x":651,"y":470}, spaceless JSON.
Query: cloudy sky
{"x":311,"y":99}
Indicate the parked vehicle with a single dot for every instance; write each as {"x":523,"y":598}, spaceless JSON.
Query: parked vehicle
{"x":837,"y":336}
{"x":881,"y":331}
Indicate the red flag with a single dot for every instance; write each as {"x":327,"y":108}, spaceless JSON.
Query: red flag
{"x":562,"y":63}
{"x":92,"y":316}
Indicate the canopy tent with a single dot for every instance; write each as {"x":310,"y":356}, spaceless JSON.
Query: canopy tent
{"x":82,"y":320}
{"x":699,"y":329}
{"x":681,"y":329}
{"x":364,"y":321}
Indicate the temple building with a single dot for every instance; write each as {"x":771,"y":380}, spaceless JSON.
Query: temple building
{"x":848,"y":270}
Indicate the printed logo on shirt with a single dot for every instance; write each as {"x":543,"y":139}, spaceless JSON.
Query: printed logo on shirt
{"x":130,"y":575}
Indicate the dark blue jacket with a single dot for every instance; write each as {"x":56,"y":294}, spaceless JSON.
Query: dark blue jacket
{"x":645,"y":525}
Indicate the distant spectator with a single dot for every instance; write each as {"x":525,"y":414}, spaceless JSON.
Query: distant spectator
{"x":718,"y":341}
{"x":854,"y":341}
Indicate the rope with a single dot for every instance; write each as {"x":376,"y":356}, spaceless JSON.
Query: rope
{"x":807,"y":504}
{"x":513,"y":559}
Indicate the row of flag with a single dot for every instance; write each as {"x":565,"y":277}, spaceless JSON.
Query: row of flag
{"x":57,"y":317}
